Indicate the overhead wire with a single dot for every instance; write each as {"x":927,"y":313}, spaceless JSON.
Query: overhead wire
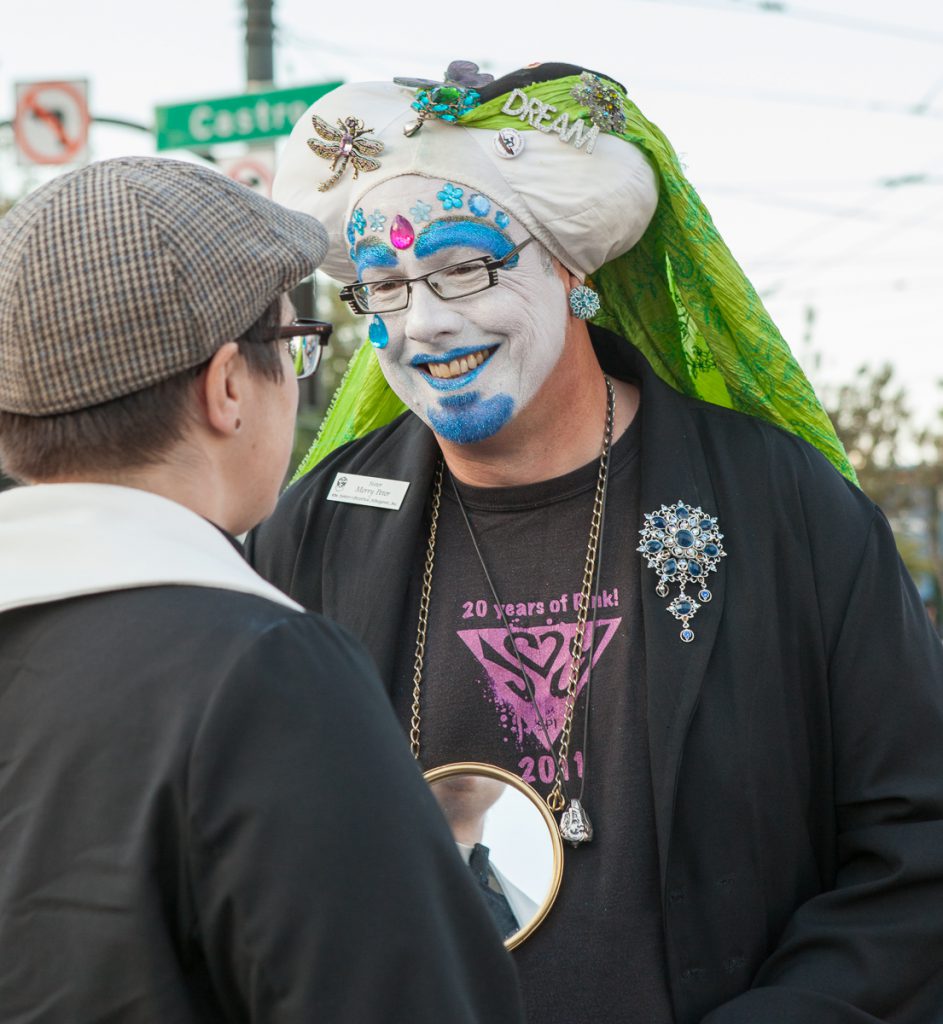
{"x":365,"y":56}
{"x":922,"y":109}
{"x":923,"y":218}
{"x":777,"y":187}
{"x":785,"y":10}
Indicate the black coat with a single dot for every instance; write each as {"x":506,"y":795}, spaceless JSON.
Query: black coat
{"x":796,"y":744}
{"x":208,"y":813}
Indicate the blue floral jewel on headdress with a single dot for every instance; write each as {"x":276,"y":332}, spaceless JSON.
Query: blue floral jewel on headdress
{"x":682,"y":544}
{"x":377,"y":220}
{"x":447,"y":100}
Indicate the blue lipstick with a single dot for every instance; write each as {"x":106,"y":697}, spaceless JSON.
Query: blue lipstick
{"x":452,"y":383}
{"x":447,"y":357}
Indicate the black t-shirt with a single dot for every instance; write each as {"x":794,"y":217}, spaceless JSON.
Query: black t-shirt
{"x":598,"y":956}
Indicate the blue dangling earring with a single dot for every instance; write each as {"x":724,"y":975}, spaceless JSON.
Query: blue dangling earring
{"x":584,"y":302}
{"x":379,"y":337}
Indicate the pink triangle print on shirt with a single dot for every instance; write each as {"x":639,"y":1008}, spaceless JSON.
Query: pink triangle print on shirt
{"x":545,"y":654}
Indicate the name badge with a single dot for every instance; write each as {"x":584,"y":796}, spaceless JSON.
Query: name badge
{"x":368,"y":490}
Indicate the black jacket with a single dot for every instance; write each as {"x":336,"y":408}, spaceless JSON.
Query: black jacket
{"x":208,"y":813}
{"x":796,"y":744}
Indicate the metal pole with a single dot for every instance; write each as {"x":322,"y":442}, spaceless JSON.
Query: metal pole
{"x":260,"y":73}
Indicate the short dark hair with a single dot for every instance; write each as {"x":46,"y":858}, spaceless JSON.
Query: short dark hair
{"x":135,"y":430}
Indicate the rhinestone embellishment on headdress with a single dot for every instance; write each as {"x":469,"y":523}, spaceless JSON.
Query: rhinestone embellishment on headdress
{"x":546,"y":118}
{"x":682,"y":544}
{"x":347,"y":143}
{"x":447,"y":100}
{"x":605,"y":103}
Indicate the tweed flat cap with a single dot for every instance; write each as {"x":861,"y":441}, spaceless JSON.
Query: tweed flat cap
{"x":121,"y":274}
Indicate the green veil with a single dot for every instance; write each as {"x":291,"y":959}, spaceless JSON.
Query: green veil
{"x":678,"y":295}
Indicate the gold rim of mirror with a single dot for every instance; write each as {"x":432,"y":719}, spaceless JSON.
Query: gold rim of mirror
{"x":491,"y":771}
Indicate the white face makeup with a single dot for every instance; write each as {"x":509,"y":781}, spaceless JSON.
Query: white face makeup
{"x":466,"y":366}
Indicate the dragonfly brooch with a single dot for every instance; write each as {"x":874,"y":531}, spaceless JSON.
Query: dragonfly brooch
{"x":347,"y":143}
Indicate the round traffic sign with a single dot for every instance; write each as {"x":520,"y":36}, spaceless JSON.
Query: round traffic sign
{"x":51,"y":122}
{"x":256,"y":171}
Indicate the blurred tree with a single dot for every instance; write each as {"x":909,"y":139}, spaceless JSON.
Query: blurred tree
{"x":899,"y":466}
{"x":929,"y":477}
{"x":873,"y":422}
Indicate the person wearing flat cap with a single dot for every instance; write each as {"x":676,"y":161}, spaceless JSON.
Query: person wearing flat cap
{"x":592,"y":523}
{"x":207,"y":809}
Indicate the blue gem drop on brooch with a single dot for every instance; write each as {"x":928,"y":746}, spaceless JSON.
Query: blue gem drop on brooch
{"x":682,"y":544}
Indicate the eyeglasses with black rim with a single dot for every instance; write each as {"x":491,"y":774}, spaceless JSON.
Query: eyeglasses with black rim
{"x":454,"y":282}
{"x":306,"y":341}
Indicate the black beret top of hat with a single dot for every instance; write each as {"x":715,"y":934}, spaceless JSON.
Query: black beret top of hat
{"x":524,"y":77}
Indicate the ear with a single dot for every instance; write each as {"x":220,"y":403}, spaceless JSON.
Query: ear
{"x":569,"y":279}
{"x":224,"y":389}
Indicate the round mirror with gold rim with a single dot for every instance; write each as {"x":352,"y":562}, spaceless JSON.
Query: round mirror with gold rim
{"x":509,"y":839}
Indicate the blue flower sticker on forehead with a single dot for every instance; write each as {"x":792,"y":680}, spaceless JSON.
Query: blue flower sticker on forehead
{"x":479,"y":205}
{"x":450,"y":196}
{"x":420,"y":211}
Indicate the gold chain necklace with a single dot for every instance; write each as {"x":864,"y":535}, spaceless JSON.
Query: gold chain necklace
{"x":575,"y":825}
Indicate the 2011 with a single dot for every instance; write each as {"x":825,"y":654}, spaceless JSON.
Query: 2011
{"x":543,"y":768}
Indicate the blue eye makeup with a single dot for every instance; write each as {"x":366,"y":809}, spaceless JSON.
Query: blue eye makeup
{"x":371,"y":252}
{"x":449,"y":234}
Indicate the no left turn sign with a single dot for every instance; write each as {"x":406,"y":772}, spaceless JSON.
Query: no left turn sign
{"x":256,"y":170}
{"x":51,"y":123}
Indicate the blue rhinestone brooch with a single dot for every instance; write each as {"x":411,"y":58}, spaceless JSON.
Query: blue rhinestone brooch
{"x":447,"y":100}
{"x":683,"y":545}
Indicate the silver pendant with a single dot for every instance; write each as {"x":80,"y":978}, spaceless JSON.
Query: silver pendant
{"x":575,"y":826}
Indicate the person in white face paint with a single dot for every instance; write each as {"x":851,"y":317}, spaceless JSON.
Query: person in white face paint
{"x":595,"y":528}
{"x":469,"y":367}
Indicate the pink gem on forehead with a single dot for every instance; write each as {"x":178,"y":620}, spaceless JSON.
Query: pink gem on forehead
{"x":401,"y":233}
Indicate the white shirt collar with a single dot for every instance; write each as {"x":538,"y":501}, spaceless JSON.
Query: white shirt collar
{"x":67,"y":540}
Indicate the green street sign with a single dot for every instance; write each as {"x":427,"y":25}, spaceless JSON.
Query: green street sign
{"x":254,"y":115}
